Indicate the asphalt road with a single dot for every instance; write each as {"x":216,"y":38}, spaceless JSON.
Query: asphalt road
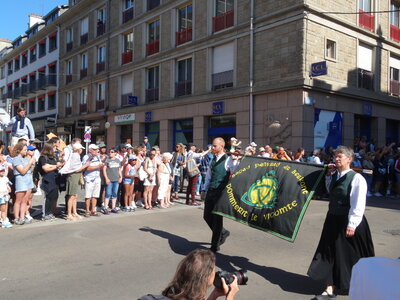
{"x":131,"y":254}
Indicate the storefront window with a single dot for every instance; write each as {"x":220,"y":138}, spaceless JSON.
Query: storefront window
{"x":126,"y":134}
{"x":183,"y":131}
{"x":152,"y":131}
{"x":222,"y":126}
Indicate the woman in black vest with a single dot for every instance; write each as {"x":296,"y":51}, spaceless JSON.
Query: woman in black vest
{"x":49,"y":171}
{"x":345,"y":236}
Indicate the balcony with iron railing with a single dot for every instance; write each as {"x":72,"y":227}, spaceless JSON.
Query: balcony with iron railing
{"x":152,"y":95}
{"x":183,"y":88}
{"x":69,"y":46}
{"x":184,"y":36}
{"x":126,"y":57}
{"x":395,"y":87}
{"x":84,"y":38}
{"x":223,"y":21}
{"x":83,"y":108}
{"x":10,"y":94}
{"x":68,"y":111}
{"x":83,"y":73}
{"x":365,"y":79}
{"x":100,"y":67}
{"x":394,"y":33}
{"x":222,"y":80}
{"x":100,"y":104}
{"x":24,"y":88}
{"x":152,"y":47}
{"x":366,"y":20}
{"x":101,"y":28}
{"x":41,"y":83}
{"x":127,"y":15}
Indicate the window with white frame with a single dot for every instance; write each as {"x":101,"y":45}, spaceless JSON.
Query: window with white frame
{"x":84,"y":61}
{"x":330,"y":49}
{"x":154,"y":31}
{"x":69,"y":67}
{"x":126,"y":88}
{"x":365,"y":70}
{"x":365,"y":5}
{"x":223,"y":6}
{"x":394,"y":75}
{"x":223,"y":66}
{"x":185,"y":17}
{"x":83,"y":96}
{"x":68,"y":100}
{"x":128,"y":42}
{"x":84,"y":26}
{"x":394,"y":13}
{"x":101,"y":54}
{"x":101,"y":15}
{"x":69,"y":35}
{"x":101,"y":91}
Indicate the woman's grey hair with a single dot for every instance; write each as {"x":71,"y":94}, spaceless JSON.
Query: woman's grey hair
{"x":316,"y":152}
{"x":346,"y":151}
{"x":167,"y":156}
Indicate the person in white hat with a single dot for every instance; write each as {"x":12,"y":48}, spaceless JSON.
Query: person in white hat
{"x":92,"y":180}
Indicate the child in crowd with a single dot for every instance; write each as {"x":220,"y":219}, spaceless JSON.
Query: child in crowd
{"x":4,"y":197}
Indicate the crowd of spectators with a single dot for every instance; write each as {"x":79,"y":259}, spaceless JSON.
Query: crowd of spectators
{"x":126,"y":177}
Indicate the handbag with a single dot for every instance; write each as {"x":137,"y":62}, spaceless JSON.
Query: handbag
{"x":142,"y":174}
{"x":81,"y":180}
{"x":192,"y":168}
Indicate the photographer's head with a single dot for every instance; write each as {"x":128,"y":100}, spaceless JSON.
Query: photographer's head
{"x":194,"y":275}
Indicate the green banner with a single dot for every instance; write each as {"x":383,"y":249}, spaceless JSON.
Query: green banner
{"x":270,"y":194}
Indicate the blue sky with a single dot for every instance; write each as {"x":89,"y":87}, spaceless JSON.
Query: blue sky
{"x":14,"y":14}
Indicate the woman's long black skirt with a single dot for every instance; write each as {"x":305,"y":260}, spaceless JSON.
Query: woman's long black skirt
{"x":336,"y":254}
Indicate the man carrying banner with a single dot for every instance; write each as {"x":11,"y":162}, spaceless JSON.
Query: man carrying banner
{"x":216,"y":179}
{"x":345,"y":236}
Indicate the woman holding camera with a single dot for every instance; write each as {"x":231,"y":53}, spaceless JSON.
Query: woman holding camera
{"x":194,"y":275}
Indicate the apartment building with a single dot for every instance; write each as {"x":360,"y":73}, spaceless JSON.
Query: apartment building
{"x":292,"y":73}
{"x":29,"y":72}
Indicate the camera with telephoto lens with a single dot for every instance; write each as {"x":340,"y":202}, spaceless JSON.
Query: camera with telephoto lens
{"x":241,"y":276}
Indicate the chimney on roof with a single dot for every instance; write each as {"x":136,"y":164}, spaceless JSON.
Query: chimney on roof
{"x":33,"y":19}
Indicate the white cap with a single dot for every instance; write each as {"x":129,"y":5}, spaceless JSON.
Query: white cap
{"x":261,"y":149}
{"x":253,"y":144}
{"x":93,"y":146}
{"x":233,"y":139}
{"x":249,"y":148}
{"x":77,"y":146}
{"x":128,"y":146}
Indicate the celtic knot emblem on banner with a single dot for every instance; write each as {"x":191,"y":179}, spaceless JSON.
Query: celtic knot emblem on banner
{"x":263,"y":192}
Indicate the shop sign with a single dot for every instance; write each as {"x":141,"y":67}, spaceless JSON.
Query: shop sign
{"x":367,"y":109}
{"x":318,"y":69}
{"x":148,"y":116}
{"x":218,"y":108}
{"x":128,"y":118}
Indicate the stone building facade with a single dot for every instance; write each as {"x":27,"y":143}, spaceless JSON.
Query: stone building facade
{"x":294,"y":73}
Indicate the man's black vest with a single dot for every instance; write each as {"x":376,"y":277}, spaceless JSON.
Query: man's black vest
{"x":219,"y":175}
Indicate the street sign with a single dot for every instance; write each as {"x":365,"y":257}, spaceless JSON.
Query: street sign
{"x":318,"y":69}
{"x":87,"y":141}
{"x":87,"y":136}
{"x":88,"y":129}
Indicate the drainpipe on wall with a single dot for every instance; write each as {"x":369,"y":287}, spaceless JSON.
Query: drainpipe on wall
{"x":107,"y":99}
{"x":251,"y":75}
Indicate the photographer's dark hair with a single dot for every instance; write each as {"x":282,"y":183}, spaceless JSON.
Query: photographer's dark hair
{"x":192,"y":276}
{"x":48,"y":150}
